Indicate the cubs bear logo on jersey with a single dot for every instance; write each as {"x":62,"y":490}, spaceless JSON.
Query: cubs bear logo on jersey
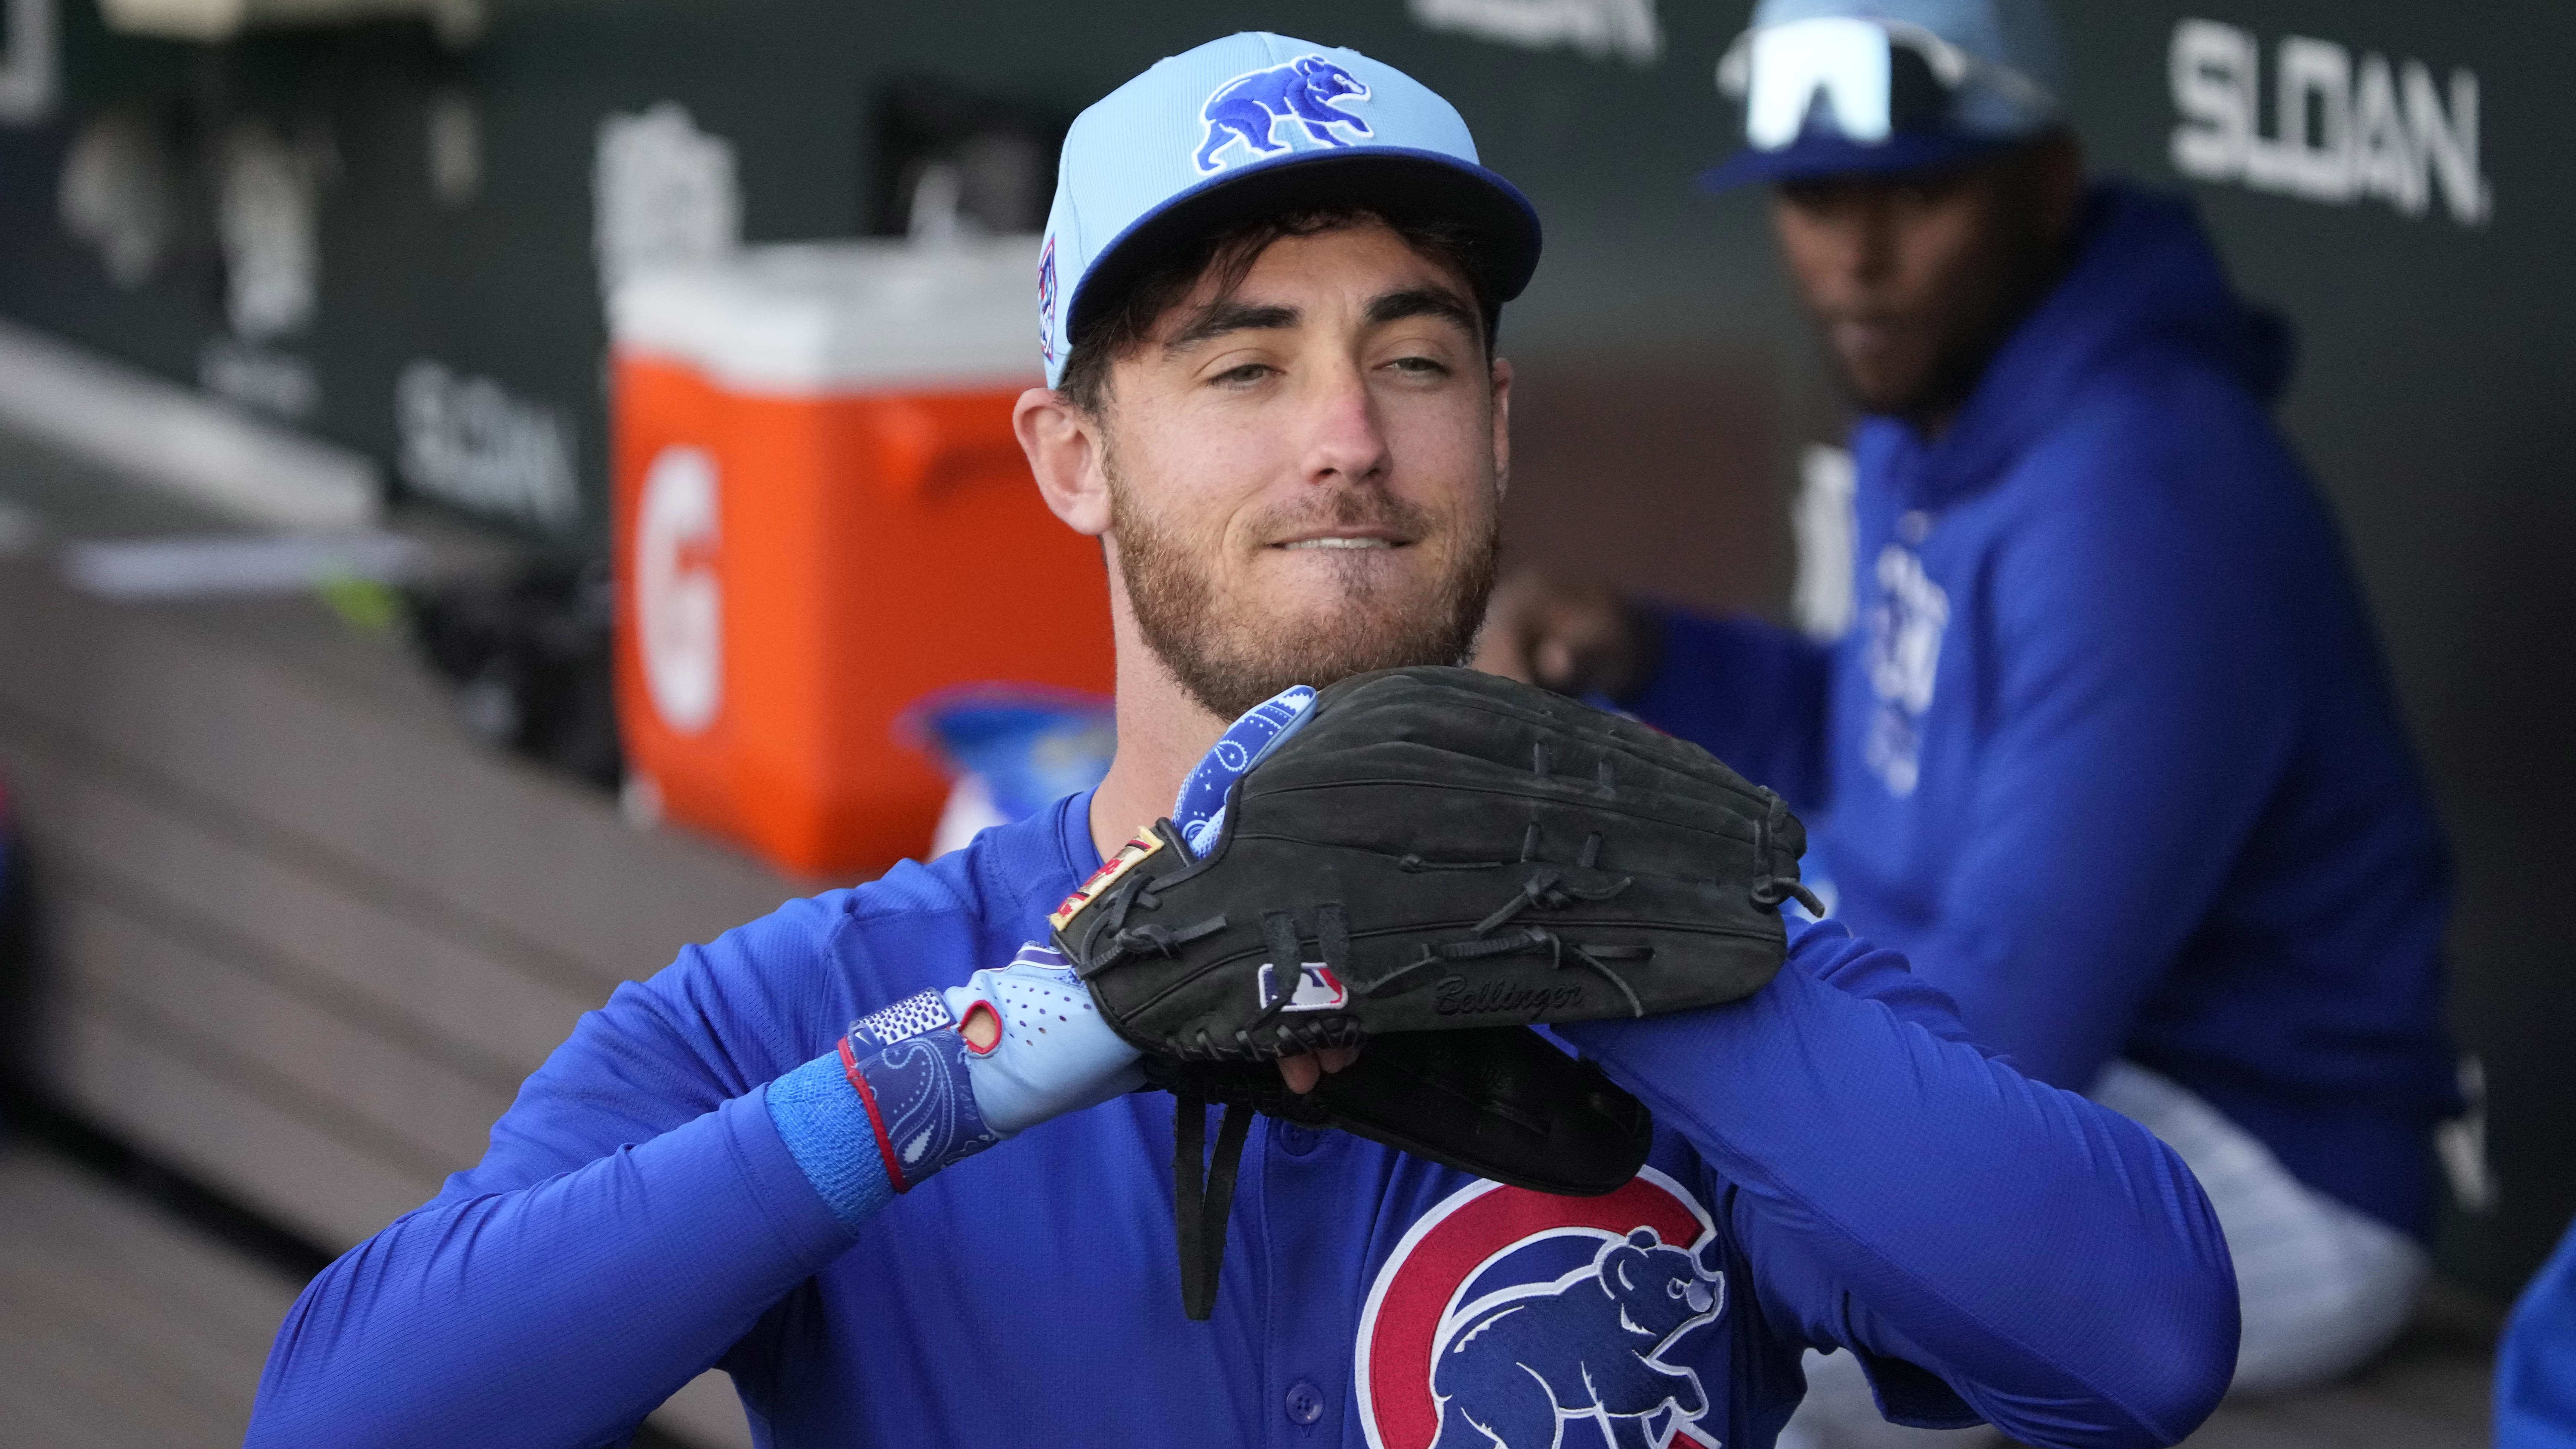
{"x":1524,"y":1320}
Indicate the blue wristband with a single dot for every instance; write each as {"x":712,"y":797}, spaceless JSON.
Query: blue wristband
{"x":888,"y":1107}
{"x":826,"y":1129}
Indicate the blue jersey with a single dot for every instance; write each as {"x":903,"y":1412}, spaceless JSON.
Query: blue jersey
{"x":2535,"y":1381}
{"x":1832,"y":1165}
{"x":2109,"y":754}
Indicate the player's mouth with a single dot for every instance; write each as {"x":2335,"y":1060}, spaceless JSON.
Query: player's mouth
{"x":1352,"y":539}
{"x":1854,"y":332}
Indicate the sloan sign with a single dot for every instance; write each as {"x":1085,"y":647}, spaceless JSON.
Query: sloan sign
{"x":2344,"y":129}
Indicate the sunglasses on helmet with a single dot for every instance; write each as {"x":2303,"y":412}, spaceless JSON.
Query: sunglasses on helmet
{"x":1877,"y":77}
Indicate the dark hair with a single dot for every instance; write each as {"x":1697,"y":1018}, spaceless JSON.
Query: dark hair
{"x":1120,"y":323}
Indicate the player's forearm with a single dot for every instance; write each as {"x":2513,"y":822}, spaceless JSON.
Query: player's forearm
{"x":1749,"y":693}
{"x":555,"y":1315}
{"x":2053,"y":1263}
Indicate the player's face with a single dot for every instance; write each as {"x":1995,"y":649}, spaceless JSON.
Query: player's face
{"x":1306,"y":473}
{"x":1914,"y":279}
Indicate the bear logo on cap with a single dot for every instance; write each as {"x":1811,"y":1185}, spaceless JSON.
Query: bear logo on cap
{"x":1250,"y":106}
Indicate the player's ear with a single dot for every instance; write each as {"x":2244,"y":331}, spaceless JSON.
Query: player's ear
{"x":1065,"y":450}
{"x":1502,"y":385}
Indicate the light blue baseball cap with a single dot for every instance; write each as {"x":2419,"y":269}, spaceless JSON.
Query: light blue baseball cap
{"x":1837,"y":87}
{"x":1249,"y":125}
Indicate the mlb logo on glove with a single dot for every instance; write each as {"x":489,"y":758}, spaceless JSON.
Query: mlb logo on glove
{"x":1317,"y":989}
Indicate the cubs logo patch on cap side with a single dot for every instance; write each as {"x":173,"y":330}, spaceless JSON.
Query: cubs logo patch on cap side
{"x":1046,"y":301}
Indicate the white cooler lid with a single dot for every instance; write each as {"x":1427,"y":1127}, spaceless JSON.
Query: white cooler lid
{"x":808,"y":318}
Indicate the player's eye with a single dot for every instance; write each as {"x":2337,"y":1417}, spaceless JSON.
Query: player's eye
{"x":1420,"y":366}
{"x":1243,"y":376}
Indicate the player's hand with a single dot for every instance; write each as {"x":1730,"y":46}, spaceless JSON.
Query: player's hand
{"x":1569,"y":637}
{"x":946,"y":1074}
{"x":1302,"y":1073}
{"x":1199,"y":813}
{"x":1035,"y":1046}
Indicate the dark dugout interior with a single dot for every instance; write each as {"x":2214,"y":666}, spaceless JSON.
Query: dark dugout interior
{"x":1667,"y":386}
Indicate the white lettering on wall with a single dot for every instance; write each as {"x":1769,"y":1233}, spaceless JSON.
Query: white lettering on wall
{"x":30,"y":64}
{"x":267,"y":216}
{"x":453,"y":127}
{"x":258,"y":377}
{"x":121,"y":193}
{"x":2342,"y":132}
{"x":1626,"y":29}
{"x":467,"y":441}
{"x":661,"y":191}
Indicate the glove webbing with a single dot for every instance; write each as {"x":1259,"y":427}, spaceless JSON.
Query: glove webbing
{"x":1201,"y":1204}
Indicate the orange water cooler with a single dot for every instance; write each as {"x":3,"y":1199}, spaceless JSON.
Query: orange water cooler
{"x":820,"y":517}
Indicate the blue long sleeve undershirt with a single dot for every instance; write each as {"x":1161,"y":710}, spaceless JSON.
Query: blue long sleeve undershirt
{"x":1896,"y":1189}
{"x":556,"y":1315}
{"x":1902,"y":1193}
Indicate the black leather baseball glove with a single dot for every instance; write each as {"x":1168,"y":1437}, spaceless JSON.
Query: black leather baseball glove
{"x":1500,"y":1102}
{"x":1431,"y":850}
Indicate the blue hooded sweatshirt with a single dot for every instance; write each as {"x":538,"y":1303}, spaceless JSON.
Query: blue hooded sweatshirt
{"x":2535,"y":1378}
{"x":2110,"y":752}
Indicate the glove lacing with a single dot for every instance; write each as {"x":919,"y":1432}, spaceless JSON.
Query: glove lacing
{"x":1546,"y":890}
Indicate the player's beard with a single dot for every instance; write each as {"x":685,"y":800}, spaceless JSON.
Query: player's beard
{"x":1230,"y":653}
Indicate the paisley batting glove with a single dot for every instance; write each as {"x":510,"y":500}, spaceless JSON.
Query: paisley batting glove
{"x":1199,"y":812}
{"x":939,"y":1076}
{"x":945,"y":1074}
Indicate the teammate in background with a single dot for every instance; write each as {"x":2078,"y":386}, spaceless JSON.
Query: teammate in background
{"x":1268,"y":297}
{"x":2109,"y":753}
{"x":2535,"y":1379}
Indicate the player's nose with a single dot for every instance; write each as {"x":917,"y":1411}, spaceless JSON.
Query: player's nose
{"x":1345,"y":438}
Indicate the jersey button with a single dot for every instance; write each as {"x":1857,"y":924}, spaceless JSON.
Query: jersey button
{"x":1299,"y":1141}
{"x":1305,"y":1401}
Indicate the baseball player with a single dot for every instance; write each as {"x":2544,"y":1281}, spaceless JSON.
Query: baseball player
{"x":2535,"y":1378}
{"x":877,"y":1155}
{"x":2109,"y":753}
